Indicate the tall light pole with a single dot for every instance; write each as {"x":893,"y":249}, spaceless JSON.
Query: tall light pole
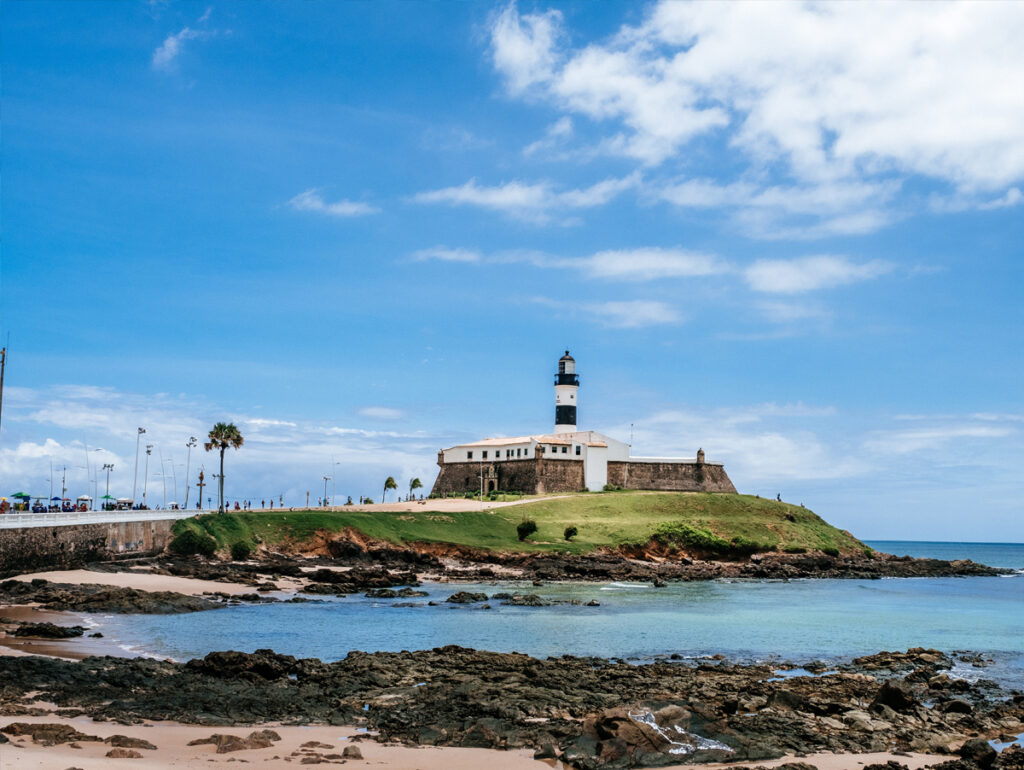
{"x":326,"y":479}
{"x":88,"y":474}
{"x":192,"y":441}
{"x":145,"y":475}
{"x":163,"y":472}
{"x":135,"y":483}
{"x":108,"y":467}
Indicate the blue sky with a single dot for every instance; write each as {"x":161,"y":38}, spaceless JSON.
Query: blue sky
{"x":790,"y":234}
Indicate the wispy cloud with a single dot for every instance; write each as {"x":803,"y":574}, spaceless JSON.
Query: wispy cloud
{"x":556,"y":134}
{"x":381,"y":413}
{"x":445,"y":254}
{"x":794,"y":276}
{"x":537,"y":202}
{"x":166,"y":55}
{"x":619,"y":314}
{"x":311,"y":200}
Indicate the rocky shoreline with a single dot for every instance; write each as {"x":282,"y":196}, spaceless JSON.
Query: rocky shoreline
{"x":589,"y":713}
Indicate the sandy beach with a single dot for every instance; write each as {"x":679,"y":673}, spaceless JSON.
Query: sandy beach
{"x":173,"y":751}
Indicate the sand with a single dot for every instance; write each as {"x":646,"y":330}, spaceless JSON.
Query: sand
{"x":141,"y":580}
{"x":173,"y":751}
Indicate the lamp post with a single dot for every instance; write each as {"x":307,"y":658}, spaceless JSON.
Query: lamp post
{"x":108,"y":467}
{"x":88,"y":474}
{"x":201,"y":484}
{"x":326,"y":479}
{"x":135,"y":483}
{"x":192,"y":441}
{"x":163,"y":472}
{"x":145,"y":476}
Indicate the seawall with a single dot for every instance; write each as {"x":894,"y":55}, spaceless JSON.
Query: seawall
{"x":39,"y":548}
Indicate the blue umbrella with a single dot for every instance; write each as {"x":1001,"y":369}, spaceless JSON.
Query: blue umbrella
{"x":55,"y":498}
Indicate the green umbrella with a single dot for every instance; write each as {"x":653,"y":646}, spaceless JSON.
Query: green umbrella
{"x":107,"y":497}
{"x":21,"y":494}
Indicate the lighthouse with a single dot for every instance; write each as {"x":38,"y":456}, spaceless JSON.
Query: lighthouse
{"x":567,"y":384}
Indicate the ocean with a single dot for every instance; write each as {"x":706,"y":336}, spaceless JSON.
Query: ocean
{"x":773,"y":620}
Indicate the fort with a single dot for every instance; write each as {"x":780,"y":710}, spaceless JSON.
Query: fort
{"x":569,"y":460}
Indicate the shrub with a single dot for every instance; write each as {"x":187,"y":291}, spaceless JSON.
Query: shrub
{"x":795,"y":549}
{"x":830,"y":551}
{"x":367,"y":501}
{"x":191,"y":542}
{"x":525,"y":528}
{"x":612,"y":488}
{"x":688,"y":536}
{"x":570,"y":532}
{"x":241,"y":551}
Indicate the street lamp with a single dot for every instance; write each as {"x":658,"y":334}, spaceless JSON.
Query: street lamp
{"x":192,"y":441}
{"x":326,"y":479}
{"x":88,"y":475}
{"x":135,"y":483}
{"x":108,"y":467}
{"x":145,"y":476}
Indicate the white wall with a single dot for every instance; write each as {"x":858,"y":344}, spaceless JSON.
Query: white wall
{"x":595,"y":467}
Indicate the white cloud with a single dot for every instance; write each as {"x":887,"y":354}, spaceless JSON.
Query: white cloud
{"x":311,"y":200}
{"x":827,"y":95}
{"x":556,"y":133}
{"x":536,"y":202}
{"x":936,"y":436}
{"x":165,"y":56}
{"x":445,"y":254}
{"x":793,"y":276}
{"x":381,"y":413}
{"x":646,"y":264}
{"x":1013,"y":197}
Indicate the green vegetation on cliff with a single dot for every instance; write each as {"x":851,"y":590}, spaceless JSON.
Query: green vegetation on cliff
{"x":714,"y":524}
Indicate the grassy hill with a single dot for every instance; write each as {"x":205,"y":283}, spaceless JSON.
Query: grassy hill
{"x":710,"y":523}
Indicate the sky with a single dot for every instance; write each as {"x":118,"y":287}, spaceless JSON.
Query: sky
{"x":789,"y":234}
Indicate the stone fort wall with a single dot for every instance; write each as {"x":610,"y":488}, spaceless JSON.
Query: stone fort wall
{"x":670,"y":477}
{"x":35,"y":549}
{"x":531,"y":475}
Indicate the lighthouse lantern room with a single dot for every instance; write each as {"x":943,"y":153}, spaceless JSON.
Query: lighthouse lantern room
{"x":567,"y":385}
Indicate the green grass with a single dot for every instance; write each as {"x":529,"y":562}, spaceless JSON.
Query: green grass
{"x":726,"y":523}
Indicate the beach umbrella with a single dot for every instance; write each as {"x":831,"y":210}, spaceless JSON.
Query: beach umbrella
{"x":54,"y":498}
{"x":107,"y":497}
{"x":21,"y":495}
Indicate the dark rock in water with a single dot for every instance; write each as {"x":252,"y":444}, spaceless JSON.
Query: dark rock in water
{"x":128,"y":742}
{"x":100,"y":598}
{"x":896,"y":696}
{"x":466,"y":597}
{"x":527,"y":600}
{"x":502,"y":595}
{"x":978,"y":751}
{"x":49,"y":631}
{"x":391,"y":593}
{"x":97,"y":635}
{"x":593,"y":603}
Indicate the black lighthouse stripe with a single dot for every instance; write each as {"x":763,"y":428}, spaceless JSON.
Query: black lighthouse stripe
{"x":565,"y":415}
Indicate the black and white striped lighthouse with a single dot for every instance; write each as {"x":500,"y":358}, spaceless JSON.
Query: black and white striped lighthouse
{"x":567,"y":384}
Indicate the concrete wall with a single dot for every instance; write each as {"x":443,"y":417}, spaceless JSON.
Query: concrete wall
{"x":670,"y":476}
{"x":33,"y":549}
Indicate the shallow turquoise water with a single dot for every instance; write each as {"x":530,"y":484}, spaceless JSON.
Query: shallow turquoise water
{"x":795,"y":620}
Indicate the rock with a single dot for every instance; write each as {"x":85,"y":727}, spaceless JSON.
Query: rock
{"x":124,"y":754}
{"x":786,"y":699}
{"x":48,"y":733}
{"x":466,"y":597}
{"x":352,"y":752}
{"x":978,"y":751}
{"x":228,"y":743}
{"x":269,"y":735}
{"x":48,"y":631}
{"x":890,"y":765}
{"x":956,"y":706}
{"x":528,"y":600}
{"x":254,"y":667}
{"x":896,"y":696}
{"x":127,"y":742}
{"x":593,"y":603}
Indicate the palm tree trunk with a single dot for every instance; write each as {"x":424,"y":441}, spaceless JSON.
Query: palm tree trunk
{"x":220,"y":479}
{"x":384,"y":493}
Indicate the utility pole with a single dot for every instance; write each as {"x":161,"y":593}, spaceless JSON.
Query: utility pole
{"x":63,"y":484}
{"x":201,"y":484}
{"x":135,"y":483}
{"x":3,"y":366}
{"x":192,"y":441}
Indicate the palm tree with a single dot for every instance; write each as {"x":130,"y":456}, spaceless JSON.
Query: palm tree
{"x":414,"y":485}
{"x":222,"y":436}
{"x":388,"y":484}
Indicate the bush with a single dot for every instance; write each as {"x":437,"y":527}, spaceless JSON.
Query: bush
{"x":830,"y":551}
{"x":687,"y":536}
{"x":241,"y":551}
{"x":570,"y":532}
{"x":795,"y":549}
{"x":191,"y":542}
{"x":367,"y":501}
{"x":526,"y":528}
{"x":612,"y":488}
